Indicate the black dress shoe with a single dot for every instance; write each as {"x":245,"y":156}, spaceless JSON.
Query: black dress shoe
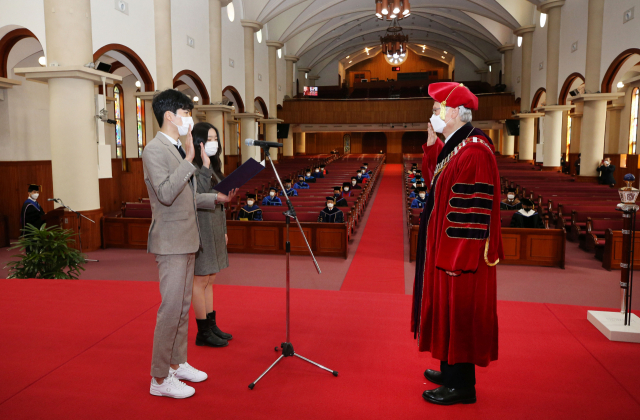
{"x":433,"y":376}
{"x":450,"y":396}
{"x":206,"y":337}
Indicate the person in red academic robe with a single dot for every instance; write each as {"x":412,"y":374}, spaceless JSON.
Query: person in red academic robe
{"x":454,"y":309}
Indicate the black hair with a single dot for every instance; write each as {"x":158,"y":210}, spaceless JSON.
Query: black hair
{"x":170,"y":100}
{"x":200,"y":135}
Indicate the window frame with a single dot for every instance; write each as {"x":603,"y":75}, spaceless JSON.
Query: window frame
{"x":633,"y":120}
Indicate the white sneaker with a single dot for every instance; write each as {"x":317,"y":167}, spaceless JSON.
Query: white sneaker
{"x":171,"y":387}
{"x":186,"y":372}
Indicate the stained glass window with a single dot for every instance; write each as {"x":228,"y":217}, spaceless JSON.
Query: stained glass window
{"x":117,"y":92}
{"x":633,"y":124}
{"x":568,"y":135}
{"x":140,"y":120}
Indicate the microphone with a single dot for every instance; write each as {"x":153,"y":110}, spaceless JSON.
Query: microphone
{"x":52,"y":199}
{"x":252,"y":142}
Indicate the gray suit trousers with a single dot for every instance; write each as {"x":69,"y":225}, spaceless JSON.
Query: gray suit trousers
{"x":172,"y":322}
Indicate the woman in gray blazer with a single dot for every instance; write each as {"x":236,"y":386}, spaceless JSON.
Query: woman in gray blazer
{"x":212,"y":257}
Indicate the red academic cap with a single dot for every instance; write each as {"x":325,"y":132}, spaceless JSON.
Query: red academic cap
{"x":453,"y":94}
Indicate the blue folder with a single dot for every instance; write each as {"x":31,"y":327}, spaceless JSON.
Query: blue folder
{"x":240,"y":176}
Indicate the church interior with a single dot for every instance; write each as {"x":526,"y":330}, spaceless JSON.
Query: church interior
{"x":344,"y":87}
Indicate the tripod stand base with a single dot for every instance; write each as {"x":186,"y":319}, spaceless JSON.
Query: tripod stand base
{"x":611,"y":324}
{"x":287,"y":351}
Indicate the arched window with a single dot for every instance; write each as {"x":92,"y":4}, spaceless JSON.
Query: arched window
{"x":119,"y":115}
{"x":142,"y":141}
{"x":633,"y":125}
{"x":568,"y":136}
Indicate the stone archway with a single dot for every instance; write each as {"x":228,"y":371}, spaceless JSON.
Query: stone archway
{"x":197,"y":81}
{"x":7,"y":43}
{"x":135,"y":59}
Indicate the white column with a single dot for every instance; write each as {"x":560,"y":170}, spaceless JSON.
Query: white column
{"x":287,"y":150}
{"x":508,"y":142}
{"x":483,"y":74}
{"x":507,"y":54}
{"x":526,"y":32}
{"x":248,"y":119}
{"x":493,"y":75}
{"x":301,"y":142}
{"x":613,"y":135}
{"x":302,"y":78}
{"x":290,"y":59}
{"x":313,"y":80}
{"x":526,"y":140}
{"x":164,"y":57}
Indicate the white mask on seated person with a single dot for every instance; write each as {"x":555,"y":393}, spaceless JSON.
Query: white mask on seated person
{"x":346,"y":189}
{"x":35,"y":196}
{"x":354,"y":182}
{"x":329,"y":206}
{"x":250,"y":203}
{"x":272,"y":193}
{"x":422,"y":195}
{"x":511,"y":196}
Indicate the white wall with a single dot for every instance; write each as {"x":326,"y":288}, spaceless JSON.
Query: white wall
{"x":233,"y":48}
{"x":261,"y":67}
{"x":464,"y":69}
{"x":538,"y":77}
{"x":616,"y":36}
{"x":573,"y":28}
{"x":29,"y":14}
{"x":191,"y":18}
{"x":329,"y":75}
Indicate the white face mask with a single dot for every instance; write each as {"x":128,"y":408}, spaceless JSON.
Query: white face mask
{"x":309,"y":174}
{"x":354,"y":182}
{"x":317,"y":170}
{"x":330,"y":205}
{"x":183,"y":129}
{"x":211,"y":148}
{"x":250,"y":203}
{"x":607,"y":163}
{"x":437,"y":123}
{"x":346,"y":189}
{"x":422,"y":195}
{"x":35,"y":196}
{"x":272,"y":194}
{"x":511,"y":196}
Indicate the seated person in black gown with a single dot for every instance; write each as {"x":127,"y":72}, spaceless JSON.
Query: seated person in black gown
{"x":32,"y":213}
{"x":354,"y":183}
{"x":511,"y":202}
{"x":271,"y":199}
{"x":340,"y":201}
{"x":359,"y":177}
{"x":331,"y":214}
{"x":301,"y":185}
{"x":527,"y":217}
{"x":317,"y":173}
{"x":415,"y":188}
{"x":308,"y":177}
{"x":366,"y":169}
{"x":250,"y":211}
{"x":346,"y":189}
{"x":291,"y":192}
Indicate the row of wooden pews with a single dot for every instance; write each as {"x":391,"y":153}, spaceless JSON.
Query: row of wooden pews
{"x":586,"y":211}
{"x":130,"y":228}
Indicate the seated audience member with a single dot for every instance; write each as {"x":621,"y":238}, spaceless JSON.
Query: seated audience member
{"x":414,"y":168}
{"x":359,"y":178}
{"x":271,"y":199}
{"x":32,"y":213}
{"x":527,"y":217}
{"x":354,"y":183}
{"x":323,"y":170}
{"x":606,"y":173}
{"x":291,"y":192}
{"x":301,"y":185}
{"x":250,"y":211}
{"x":417,"y":177}
{"x":317,"y":173}
{"x":339,"y":200}
{"x":346,"y":189}
{"x":308,"y":177}
{"x":364,"y":173}
{"x":331,"y":214}
{"x":366,"y":169}
{"x":420,"y":200}
{"x":511,"y":202}
{"x":415,"y":188}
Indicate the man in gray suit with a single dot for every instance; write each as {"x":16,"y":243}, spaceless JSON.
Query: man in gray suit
{"x":174,"y":237}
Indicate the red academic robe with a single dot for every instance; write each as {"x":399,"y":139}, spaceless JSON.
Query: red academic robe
{"x":458,"y":318}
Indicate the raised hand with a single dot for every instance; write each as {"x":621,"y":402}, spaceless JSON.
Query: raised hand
{"x":222,"y":198}
{"x":189,"y":149}
{"x":432,"y":137}
{"x":206,"y":162}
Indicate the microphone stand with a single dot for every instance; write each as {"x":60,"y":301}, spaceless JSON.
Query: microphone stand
{"x":287,"y":347}
{"x":79,"y":215}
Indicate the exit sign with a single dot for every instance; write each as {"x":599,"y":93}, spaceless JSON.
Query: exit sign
{"x":395,"y":68}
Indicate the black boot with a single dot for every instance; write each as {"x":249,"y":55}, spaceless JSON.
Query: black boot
{"x":206,"y":337}
{"x":211,"y":316}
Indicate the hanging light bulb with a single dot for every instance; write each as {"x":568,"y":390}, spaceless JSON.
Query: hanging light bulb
{"x":393,"y":16}
{"x":385,"y":7}
{"x":396,"y":8}
{"x":379,"y":9}
{"x":406,"y":8}
{"x":395,"y":55}
{"x":519,"y":41}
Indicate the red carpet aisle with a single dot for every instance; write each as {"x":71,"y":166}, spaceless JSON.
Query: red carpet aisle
{"x":378,"y":264}
{"x":85,"y":354}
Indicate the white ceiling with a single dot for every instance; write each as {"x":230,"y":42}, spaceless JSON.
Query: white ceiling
{"x":319,"y":31}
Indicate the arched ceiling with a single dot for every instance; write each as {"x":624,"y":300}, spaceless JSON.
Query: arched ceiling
{"x":319,"y":31}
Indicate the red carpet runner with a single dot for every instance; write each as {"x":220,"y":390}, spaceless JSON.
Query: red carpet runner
{"x":378,"y":265}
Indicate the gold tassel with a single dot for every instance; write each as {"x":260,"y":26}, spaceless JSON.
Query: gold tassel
{"x":486,"y":259}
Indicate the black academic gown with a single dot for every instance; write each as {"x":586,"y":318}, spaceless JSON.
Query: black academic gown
{"x":519,"y":220}
{"x":356,"y":187}
{"x":331,"y":216}
{"x":250,"y":213}
{"x":318,"y":175}
{"x":290,"y":192}
{"x":341,"y":201}
{"x":309,"y":179}
{"x":31,"y":214}
{"x":505,"y":205}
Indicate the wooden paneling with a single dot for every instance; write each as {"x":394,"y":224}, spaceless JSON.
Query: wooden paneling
{"x":412,"y":141}
{"x":495,"y":106}
{"x":324,"y":142}
{"x":613,"y":251}
{"x":91,"y":232}
{"x":532,"y":247}
{"x":374,"y":142}
{"x":231,"y":163}
{"x":326,"y":239}
{"x":378,"y":67}
{"x":4,"y":230}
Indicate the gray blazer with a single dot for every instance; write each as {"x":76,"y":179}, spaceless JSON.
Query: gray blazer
{"x":174,"y":199}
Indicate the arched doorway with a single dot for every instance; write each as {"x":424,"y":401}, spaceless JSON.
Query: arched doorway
{"x":8,"y":41}
{"x":374,"y":142}
{"x":619,"y":66}
{"x":573,"y":81}
{"x":412,"y":141}
{"x":188,"y":79}
{"x":234,"y":96}
{"x":261,"y":107}
{"x":126,"y":57}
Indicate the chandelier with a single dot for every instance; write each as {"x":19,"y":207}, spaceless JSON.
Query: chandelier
{"x":394,"y":44}
{"x":392,"y":9}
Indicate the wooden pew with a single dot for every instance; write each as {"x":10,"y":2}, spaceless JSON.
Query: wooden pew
{"x":611,"y":253}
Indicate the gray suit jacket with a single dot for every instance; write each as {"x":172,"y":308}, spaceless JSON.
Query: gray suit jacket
{"x":174,"y":200}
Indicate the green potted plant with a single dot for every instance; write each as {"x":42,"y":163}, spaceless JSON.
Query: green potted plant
{"x":46,"y":255}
